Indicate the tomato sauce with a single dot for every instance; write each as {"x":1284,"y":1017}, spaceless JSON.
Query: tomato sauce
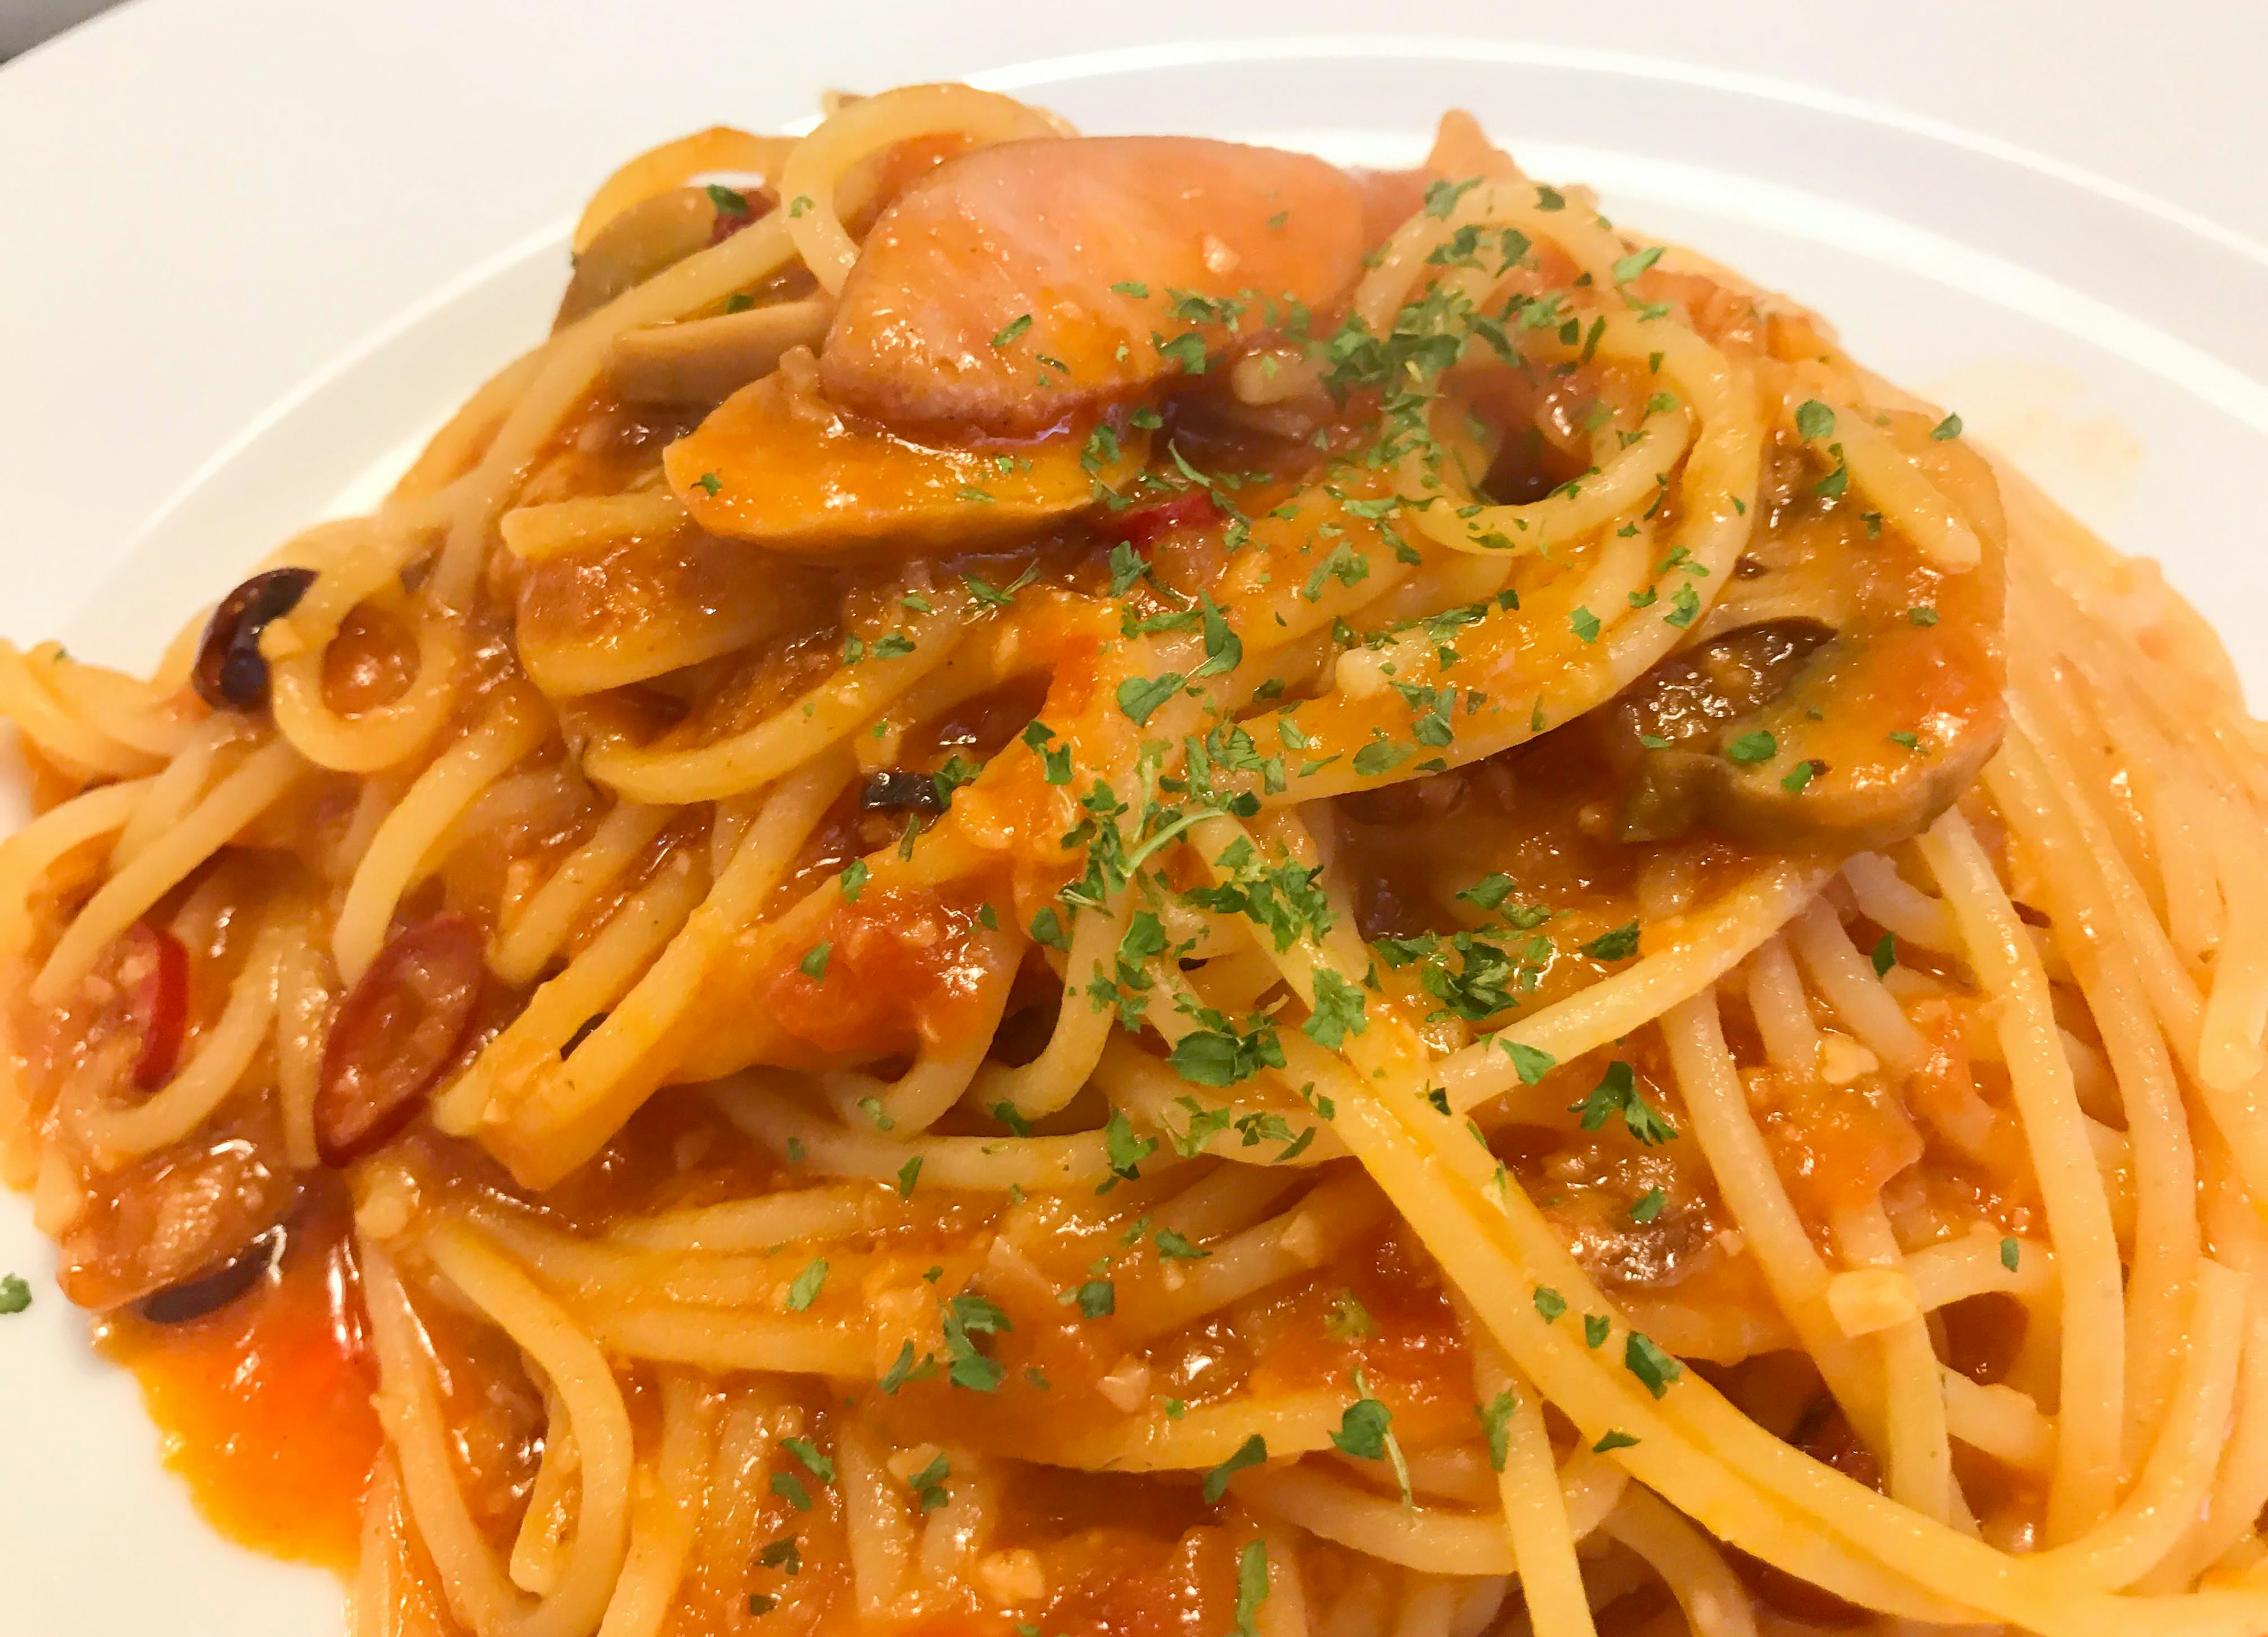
{"x":264,"y":1404}
{"x":900,"y":969}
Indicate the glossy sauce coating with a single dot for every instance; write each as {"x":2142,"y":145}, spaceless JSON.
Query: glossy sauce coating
{"x":264,"y":1404}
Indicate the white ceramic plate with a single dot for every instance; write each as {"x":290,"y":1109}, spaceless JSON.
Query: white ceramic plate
{"x":2005,"y":285}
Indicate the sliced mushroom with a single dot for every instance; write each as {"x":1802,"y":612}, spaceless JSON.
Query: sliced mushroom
{"x":647,"y":239}
{"x":705,"y":361}
{"x":588,"y":620}
{"x":1842,"y":692}
{"x":778,"y":465}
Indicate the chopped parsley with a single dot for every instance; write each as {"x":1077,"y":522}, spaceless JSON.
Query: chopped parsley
{"x":1251,"y":1586}
{"x":807,"y":1452}
{"x":1348,"y":1318}
{"x":1631,"y":266}
{"x":1362,"y":1430}
{"x":808,"y":1285}
{"x":729,"y":202}
{"x":1139,"y":696}
{"x":1530,"y":1062}
{"x":1338,"y":1011}
{"x":967,"y":1317}
{"x":1618,"y":945}
{"x":999,"y":597}
{"x":1617,"y":1093}
{"x":1187,"y":349}
{"x":1252,"y":1452}
{"x":1651,"y":1365}
{"x":928,"y":1485}
{"x":1172,"y":1247}
{"x":1496,"y":1425}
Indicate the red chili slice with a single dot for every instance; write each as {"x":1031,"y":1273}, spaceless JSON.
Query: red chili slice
{"x":394,"y":1034}
{"x":153,"y":969}
{"x":1140,"y":525}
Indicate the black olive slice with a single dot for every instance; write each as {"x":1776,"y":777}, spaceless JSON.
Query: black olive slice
{"x":584,"y":1031}
{"x":896,"y":791}
{"x":209,"y":1293}
{"x":231,"y":672}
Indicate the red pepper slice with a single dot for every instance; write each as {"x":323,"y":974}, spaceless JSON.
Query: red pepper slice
{"x":1140,"y":525}
{"x":153,"y":969}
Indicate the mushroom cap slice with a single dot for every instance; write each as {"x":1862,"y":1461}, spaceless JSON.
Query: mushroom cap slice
{"x":1843,"y":693}
{"x":778,"y":467}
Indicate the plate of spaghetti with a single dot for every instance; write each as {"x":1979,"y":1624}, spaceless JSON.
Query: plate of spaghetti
{"x":1072,"y":885}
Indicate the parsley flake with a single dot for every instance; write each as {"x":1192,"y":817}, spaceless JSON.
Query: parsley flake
{"x":1530,"y":1062}
{"x":1252,"y":1452}
{"x":1651,"y":1365}
{"x":1496,"y":1424}
{"x":807,"y":1285}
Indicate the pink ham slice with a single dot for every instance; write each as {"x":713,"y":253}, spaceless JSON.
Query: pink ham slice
{"x":1021,"y":282}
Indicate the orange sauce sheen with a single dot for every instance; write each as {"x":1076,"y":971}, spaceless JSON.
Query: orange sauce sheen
{"x":264,"y":1404}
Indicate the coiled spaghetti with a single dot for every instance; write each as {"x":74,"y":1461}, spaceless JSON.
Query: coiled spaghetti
{"x":1058,"y":884}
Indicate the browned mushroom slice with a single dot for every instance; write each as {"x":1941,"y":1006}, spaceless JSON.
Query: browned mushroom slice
{"x":776,"y":465}
{"x":650,"y":237}
{"x":635,"y":610}
{"x":1842,"y":692}
{"x":1018,"y":284}
{"x":705,"y":361}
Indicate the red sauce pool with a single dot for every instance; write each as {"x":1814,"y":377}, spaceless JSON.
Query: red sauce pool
{"x":264,"y":1404}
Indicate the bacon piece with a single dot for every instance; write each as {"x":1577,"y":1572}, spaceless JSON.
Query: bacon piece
{"x":1021,"y":282}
